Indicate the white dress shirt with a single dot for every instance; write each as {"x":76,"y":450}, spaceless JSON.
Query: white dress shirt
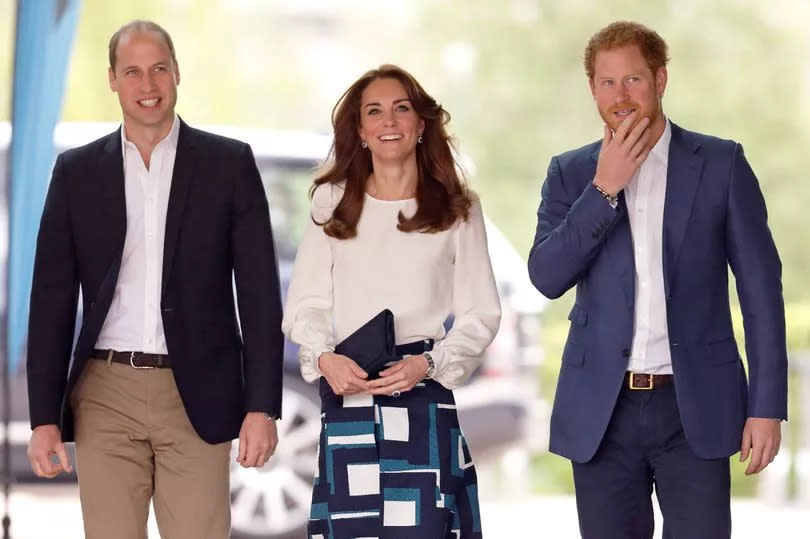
{"x":645,"y":196}
{"x":338,"y":285}
{"x":133,"y":322}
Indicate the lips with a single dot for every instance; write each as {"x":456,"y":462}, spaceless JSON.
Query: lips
{"x":150,"y":102}
{"x":390,"y":137}
{"x":623,"y":110}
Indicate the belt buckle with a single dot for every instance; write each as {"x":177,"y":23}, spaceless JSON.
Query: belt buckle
{"x":633,"y":385}
{"x":132,"y":362}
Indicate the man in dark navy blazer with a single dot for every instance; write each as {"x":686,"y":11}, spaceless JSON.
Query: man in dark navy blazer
{"x":652,"y":391}
{"x":154,"y":224}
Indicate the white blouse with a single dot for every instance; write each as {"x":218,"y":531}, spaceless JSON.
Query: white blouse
{"x":338,"y":285}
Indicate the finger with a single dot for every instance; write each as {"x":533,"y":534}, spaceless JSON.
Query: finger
{"x":357,"y":371}
{"x":640,"y":144}
{"x":392,"y":369}
{"x":745,"y":449}
{"x":638,"y":130}
{"x":771,"y":455}
{"x":388,"y":389}
{"x":624,"y":127}
{"x":37,"y":469}
{"x":640,"y":158}
{"x":756,"y":460}
{"x":768,"y":454}
{"x":606,"y":137}
{"x":47,"y":468}
{"x":251,"y":457}
{"x":62,"y":455}
{"x":240,"y":458}
{"x":261,"y":460}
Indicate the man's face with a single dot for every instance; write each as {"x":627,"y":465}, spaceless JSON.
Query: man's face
{"x":146,"y":80}
{"x":623,"y":83}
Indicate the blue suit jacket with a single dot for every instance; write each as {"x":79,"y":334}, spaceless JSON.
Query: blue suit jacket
{"x":714,"y":217}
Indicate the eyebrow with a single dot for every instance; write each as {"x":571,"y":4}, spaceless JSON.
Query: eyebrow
{"x":609,"y":77}
{"x":374,"y":103}
{"x":161,"y":63}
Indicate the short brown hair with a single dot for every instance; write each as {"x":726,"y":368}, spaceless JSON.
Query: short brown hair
{"x":621,"y":33}
{"x":139,"y":25}
{"x":442,"y":197}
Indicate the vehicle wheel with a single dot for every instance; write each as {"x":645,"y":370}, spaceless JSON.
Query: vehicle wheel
{"x":273,"y":501}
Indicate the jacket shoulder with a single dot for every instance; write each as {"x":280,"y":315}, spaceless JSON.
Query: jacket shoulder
{"x":579,"y":157}
{"x":216,"y":143}
{"x":86,"y":152}
{"x":706,"y":144}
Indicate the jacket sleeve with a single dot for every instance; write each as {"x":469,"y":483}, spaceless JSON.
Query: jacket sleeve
{"x":54,"y":298}
{"x":258,"y":290}
{"x":571,"y":228}
{"x":755,"y":262}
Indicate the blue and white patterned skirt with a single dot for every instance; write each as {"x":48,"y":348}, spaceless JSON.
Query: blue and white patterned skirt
{"x":393,"y":467}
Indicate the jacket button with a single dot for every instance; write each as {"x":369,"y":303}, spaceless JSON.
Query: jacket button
{"x":674,"y":345}
{"x":626,"y":352}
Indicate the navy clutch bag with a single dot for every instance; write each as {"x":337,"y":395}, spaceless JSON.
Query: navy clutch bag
{"x":372,"y":345}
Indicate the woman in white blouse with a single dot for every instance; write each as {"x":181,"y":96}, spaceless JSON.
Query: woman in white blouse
{"x":392,"y":226}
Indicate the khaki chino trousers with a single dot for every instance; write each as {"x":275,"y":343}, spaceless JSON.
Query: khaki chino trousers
{"x":134,"y":443}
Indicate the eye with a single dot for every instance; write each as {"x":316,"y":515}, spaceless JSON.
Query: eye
{"x":373,"y":111}
{"x":160,"y":68}
{"x":130,"y":71}
{"x":607,"y":83}
{"x":402,"y":107}
{"x":632,"y":79}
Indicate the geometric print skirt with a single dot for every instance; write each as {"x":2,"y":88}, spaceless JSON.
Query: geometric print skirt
{"x":393,"y":467}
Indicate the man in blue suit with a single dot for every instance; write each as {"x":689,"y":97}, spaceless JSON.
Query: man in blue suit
{"x":652,"y":390}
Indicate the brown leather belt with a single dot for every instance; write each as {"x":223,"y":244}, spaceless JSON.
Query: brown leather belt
{"x":136,"y":360}
{"x":646,"y":382}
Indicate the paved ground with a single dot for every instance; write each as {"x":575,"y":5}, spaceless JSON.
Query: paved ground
{"x":52,"y":512}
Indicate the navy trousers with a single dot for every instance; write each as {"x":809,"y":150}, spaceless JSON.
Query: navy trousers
{"x":645,"y":447}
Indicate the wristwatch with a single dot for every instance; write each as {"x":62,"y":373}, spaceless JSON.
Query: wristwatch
{"x":431,"y":370}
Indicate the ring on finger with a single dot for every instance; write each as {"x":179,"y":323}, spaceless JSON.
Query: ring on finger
{"x":396,"y":393}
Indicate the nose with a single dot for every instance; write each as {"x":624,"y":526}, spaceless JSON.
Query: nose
{"x":388,"y":119}
{"x":622,"y":94}
{"x":147,"y":82}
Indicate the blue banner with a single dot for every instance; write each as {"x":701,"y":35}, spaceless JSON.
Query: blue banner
{"x":44,"y":35}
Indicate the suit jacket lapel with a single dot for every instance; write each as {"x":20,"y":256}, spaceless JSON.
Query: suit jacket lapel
{"x":683,"y":176}
{"x":181,"y":181}
{"x":619,"y":246}
{"x":110,"y":172}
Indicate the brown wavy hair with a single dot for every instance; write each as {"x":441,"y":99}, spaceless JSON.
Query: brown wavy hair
{"x":441,"y":195}
{"x":621,"y":33}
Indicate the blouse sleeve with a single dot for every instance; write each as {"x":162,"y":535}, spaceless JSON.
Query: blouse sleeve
{"x":308,"y":310}
{"x":476,"y":306}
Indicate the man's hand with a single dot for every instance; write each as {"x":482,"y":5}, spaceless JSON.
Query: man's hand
{"x":401,"y":376}
{"x":258,"y":439}
{"x":46,"y":442}
{"x":761,"y":439}
{"x":621,"y":154}
{"x":345,"y":377}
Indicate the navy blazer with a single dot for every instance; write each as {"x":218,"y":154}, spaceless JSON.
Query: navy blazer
{"x":714,"y":217}
{"x":217,"y":232}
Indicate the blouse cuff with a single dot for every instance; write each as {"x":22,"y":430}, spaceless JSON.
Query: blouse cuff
{"x":309,"y":361}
